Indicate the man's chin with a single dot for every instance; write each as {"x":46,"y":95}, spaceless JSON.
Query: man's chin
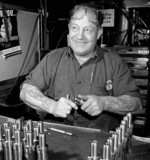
{"x":79,"y":52}
{"x":78,"y":49}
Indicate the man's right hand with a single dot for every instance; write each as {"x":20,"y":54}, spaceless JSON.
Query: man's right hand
{"x":63,"y":107}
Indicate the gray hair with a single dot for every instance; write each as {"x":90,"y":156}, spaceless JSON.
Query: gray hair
{"x":86,"y":7}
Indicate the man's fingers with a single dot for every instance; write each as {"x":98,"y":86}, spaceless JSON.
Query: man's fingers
{"x":85,"y":97}
{"x":71,"y":104}
{"x":64,"y":107}
{"x":86,"y":105}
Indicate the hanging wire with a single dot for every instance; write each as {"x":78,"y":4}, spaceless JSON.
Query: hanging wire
{"x":60,"y":39}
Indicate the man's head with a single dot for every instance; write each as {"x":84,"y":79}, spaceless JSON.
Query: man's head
{"x":84,"y":29}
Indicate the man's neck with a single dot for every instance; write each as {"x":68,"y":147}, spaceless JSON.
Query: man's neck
{"x":84,"y":59}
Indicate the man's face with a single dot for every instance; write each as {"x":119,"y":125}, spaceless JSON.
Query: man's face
{"x":83,"y":32}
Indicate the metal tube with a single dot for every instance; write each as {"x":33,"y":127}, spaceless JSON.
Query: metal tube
{"x":29,"y":139}
{"x":8,"y":155}
{"x":14,"y":128}
{"x":42,"y":149}
{"x":30,"y":152}
{"x":94,"y":149}
{"x":1,"y":151}
{"x":30,"y":125}
{"x":107,"y":152}
{"x":18,"y":140}
{"x":35,"y":136}
{"x":5,"y":126}
{"x":19,"y":124}
{"x":130,"y":119}
{"x":15,"y":151}
{"x":25,"y":130}
{"x":119,"y":132}
{"x":41,"y":127}
{"x":104,"y":151}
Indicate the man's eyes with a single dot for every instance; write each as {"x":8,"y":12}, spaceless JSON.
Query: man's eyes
{"x":86,"y":30}
{"x":74,"y":28}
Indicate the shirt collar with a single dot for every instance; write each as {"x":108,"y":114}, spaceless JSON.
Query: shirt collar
{"x":70,"y":53}
{"x":98,"y":53}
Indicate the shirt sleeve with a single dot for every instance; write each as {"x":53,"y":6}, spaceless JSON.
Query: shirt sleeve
{"x":40,"y":76}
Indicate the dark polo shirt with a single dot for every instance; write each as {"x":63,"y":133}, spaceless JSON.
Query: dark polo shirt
{"x":59,"y":74}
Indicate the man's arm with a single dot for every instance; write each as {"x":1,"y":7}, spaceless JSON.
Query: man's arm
{"x":32,"y":96}
{"x":123,"y":104}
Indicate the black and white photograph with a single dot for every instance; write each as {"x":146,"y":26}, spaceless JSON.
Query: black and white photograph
{"x":75,"y":80}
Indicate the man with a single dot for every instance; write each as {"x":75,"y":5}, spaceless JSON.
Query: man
{"x":83,"y":71}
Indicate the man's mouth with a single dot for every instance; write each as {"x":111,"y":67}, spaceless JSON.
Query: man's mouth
{"x":80,"y":42}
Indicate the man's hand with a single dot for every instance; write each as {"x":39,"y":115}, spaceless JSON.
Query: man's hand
{"x":123,"y":104}
{"x":33,"y":97}
{"x":63,"y":107}
{"x":93,"y":105}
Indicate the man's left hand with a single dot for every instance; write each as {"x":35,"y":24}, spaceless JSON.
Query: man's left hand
{"x":93,"y":104}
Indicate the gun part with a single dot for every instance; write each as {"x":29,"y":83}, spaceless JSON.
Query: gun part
{"x":79,"y":101}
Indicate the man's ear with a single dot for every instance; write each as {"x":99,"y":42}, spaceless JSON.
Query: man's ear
{"x":100,"y":31}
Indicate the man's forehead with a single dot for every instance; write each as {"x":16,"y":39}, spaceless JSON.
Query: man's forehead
{"x":81,"y":12}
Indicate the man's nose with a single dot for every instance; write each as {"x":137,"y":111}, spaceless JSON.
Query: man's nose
{"x":80,"y":34}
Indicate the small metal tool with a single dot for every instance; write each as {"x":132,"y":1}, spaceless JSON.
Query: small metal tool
{"x":79,"y":101}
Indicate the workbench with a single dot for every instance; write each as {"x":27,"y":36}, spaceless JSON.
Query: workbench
{"x":77,"y":144}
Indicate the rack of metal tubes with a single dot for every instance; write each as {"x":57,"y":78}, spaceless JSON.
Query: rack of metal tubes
{"x":27,"y":141}
{"x":117,"y":146}
{"x":20,"y":141}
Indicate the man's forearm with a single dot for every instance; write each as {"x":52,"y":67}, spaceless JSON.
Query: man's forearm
{"x":33,"y":97}
{"x":122,"y":104}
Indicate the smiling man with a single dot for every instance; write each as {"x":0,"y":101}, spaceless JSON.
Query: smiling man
{"x":84,"y":31}
{"x":82,"y":84}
